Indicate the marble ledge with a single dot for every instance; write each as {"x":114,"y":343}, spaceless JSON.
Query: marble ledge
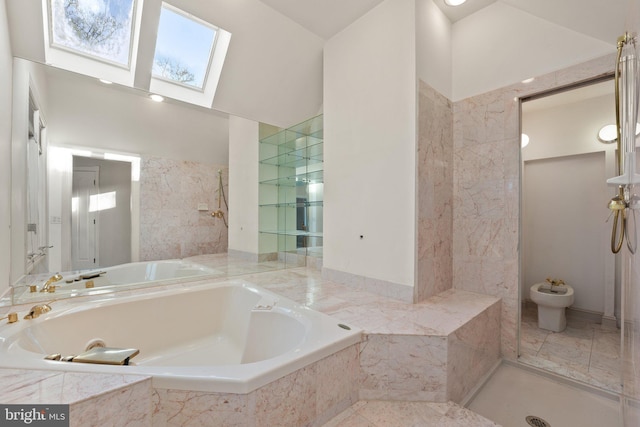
{"x":440,"y":315}
{"x":23,"y":386}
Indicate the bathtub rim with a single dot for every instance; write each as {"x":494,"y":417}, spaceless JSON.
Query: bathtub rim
{"x":221,"y":378}
{"x":18,"y":293}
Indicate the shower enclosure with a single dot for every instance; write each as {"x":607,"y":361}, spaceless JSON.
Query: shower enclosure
{"x":565,"y":233}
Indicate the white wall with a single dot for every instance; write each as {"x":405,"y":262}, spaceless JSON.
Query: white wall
{"x":501,"y":45}
{"x":243,"y":184}
{"x":564,"y":231}
{"x":370,"y":143}
{"x":6,"y":66}
{"x":82,"y":112}
{"x":433,"y":47}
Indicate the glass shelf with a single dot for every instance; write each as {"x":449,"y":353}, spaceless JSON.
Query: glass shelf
{"x":302,"y":157}
{"x":296,"y":180}
{"x":299,"y":135}
{"x":292,"y":204}
{"x":291,"y":173}
{"x":294,"y":233}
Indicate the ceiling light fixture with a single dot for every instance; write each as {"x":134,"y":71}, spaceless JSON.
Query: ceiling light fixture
{"x":454,"y":2}
{"x":524,"y":140}
{"x":607,"y":134}
{"x":156,"y":97}
{"x":105,"y":81}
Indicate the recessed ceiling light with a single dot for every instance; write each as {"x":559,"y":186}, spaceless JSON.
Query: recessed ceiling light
{"x":607,"y":134}
{"x":454,"y":2}
{"x":156,"y":97}
{"x":107,"y":82}
{"x":529,"y":80}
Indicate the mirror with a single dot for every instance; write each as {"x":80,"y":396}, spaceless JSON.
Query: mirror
{"x":159,"y":170}
{"x":566,"y":236}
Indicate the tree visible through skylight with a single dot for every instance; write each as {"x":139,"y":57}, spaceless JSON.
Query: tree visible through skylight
{"x":100,"y":28}
{"x":183,"y":48}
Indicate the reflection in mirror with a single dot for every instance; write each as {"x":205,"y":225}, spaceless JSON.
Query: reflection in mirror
{"x":36,"y":240}
{"x":156,"y":171}
{"x":565,"y":237}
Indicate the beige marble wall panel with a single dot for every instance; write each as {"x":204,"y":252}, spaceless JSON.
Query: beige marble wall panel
{"x":171,"y":226}
{"x":192,"y":408}
{"x":127,"y":407}
{"x":93,"y":399}
{"x":310,"y":396}
{"x":472,"y":351}
{"x":434,"y":182}
{"x":404,"y":367}
{"x":486,"y":189}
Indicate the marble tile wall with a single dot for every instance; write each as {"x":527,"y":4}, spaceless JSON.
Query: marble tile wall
{"x":486,"y":151}
{"x":170,"y":224}
{"x":404,"y":367}
{"x":473,"y":351}
{"x":310,"y":396}
{"x":434,"y":194}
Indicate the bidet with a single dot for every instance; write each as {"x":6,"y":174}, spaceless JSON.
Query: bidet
{"x":552,"y":301}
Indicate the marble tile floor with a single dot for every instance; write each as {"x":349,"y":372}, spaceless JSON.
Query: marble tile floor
{"x":585,"y":351}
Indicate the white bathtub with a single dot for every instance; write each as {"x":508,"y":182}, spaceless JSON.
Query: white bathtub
{"x":225,"y":337}
{"x":140,"y":272}
{"x":131,"y":275}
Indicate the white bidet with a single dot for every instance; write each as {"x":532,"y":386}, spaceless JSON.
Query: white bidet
{"x":552,"y":301}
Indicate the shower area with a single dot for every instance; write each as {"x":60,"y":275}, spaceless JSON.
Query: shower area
{"x":578,"y":225}
{"x":566,"y":232}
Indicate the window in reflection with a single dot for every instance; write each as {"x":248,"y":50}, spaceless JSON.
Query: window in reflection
{"x":102,"y":202}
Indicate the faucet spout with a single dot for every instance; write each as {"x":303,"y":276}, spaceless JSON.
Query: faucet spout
{"x":37,"y":310}
{"x":47,"y":286}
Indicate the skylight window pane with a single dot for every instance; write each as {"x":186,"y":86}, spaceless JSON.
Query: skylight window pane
{"x":183,"y":48}
{"x":99,"y":28}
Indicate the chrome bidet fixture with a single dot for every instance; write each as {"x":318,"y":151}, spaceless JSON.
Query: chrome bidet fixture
{"x":627,"y":72}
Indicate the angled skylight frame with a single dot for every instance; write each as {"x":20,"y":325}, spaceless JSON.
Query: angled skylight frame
{"x":84,"y":61}
{"x":195,"y":94}
{"x":170,"y":16}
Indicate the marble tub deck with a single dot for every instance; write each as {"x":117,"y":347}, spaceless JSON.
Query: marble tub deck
{"x":453,"y":334}
{"x":436,"y":350}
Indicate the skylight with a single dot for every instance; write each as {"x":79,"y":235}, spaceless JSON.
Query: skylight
{"x":183,"y":48}
{"x":98,"y":28}
{"x":102,"y":39}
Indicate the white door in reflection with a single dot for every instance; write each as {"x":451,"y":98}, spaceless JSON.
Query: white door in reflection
{"x":84,"y":219}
